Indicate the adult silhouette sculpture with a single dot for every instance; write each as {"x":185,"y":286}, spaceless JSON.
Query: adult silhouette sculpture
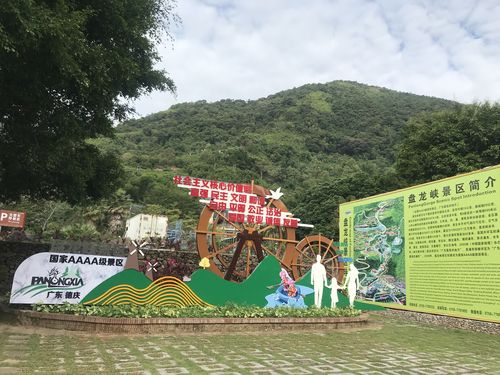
{"x":318,"y":280}
{"x":352,"y":282}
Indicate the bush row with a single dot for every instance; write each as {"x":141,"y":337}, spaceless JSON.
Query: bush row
{"x":227,"y":311}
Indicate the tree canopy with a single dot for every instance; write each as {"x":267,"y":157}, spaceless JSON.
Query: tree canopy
{"x":450,"y":142}
{"x":294,"y":139}
{"x":67,"y":68}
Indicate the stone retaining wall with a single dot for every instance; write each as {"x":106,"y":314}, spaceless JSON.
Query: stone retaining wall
{"x":88,"y":247}
{"x":444,"y":321}
{"x":182,"y":325}
{"x":14,"y":253}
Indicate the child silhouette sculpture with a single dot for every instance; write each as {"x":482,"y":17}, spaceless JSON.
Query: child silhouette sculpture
{"x":333,"y":294}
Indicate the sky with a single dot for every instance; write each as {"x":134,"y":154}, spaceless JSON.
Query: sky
{"x":249,"y":49}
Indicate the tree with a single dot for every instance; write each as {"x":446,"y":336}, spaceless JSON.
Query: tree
{"x":320,"y":203}
{"x":108,"y":215}
{"x":446,"y":143}
{"x":67,"y":69}
{"x":46,"y":218}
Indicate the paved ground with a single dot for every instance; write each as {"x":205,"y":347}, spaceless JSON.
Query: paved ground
{"x":389,"y":346}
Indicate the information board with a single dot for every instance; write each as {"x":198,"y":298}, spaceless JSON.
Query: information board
{"x":12,"y":219}
{"x":432,"y":248}
{"x":54,"y":278}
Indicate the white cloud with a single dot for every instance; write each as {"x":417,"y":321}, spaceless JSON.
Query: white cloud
{"x":250,"y":49}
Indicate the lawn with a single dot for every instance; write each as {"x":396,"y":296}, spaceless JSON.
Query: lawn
{"x":389,"y":346}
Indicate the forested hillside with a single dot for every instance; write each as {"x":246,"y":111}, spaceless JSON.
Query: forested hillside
{"x":322,"y":143}
{"x":297,"y":139}
{"x":287,"y":138}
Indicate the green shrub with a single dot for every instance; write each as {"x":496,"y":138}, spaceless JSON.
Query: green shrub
{"x":80,"y":232}
{"x":227,"y":311}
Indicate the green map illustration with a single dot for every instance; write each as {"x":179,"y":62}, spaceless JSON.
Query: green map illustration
{"x":379,"y":251}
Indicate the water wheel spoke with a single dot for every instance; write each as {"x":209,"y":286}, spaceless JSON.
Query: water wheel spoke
{"x":279,"y":240}
{"x":271,"y":253}
{"x":331,"y":259}
{"x":327,"y":250}
{"x":307,"y":256}
{"x":279,"y":250}
{"x":258,"y":249}
{"x":249,"y":246}
{"x":234,"y":261}
{"x":301,"y":265}
{"x":220,"y":214}
{"x":266,"y":228}
{"x":309,"y":246}
{"x":215,"y":233}
{"x":223,"y":250}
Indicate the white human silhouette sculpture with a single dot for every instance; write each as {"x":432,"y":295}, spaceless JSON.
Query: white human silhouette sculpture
{"x":318,"y":279}
{"x":352,"y":282}
{"x":333,"y":294}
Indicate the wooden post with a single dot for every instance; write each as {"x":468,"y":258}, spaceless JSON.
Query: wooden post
{"x":242,"y":237}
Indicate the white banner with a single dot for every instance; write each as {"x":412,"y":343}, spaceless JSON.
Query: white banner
{"x":54,"y":278}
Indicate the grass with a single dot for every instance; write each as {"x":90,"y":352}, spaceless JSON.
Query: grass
{"x":390,"y":346}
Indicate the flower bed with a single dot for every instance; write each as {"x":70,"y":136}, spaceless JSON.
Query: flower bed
{"x":137,"y":319}
{"x":228,"y":311}
{"x":98,"y":324}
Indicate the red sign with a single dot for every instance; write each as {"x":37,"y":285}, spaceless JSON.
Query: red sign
{"x":238,"y":200}
{"x":205,"y":185}
{"x":12,"y":219}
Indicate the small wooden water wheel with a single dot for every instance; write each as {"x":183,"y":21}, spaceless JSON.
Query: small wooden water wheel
{"x":306,"y":252}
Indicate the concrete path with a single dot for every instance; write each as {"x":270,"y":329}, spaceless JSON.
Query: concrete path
{"x":391,"y":346}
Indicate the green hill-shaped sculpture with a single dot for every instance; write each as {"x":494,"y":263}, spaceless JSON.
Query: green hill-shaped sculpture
{"x":205,"y":287}
{"x":132,"y":287}
{"x":133,"y":278}
{"x":253,"y":291}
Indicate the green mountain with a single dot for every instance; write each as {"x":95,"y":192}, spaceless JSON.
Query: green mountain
{"x":286,"y":138}
{"x":296,"y":139}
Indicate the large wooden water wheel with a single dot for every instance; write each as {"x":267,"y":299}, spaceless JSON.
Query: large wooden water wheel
{"x":235,"y":249}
